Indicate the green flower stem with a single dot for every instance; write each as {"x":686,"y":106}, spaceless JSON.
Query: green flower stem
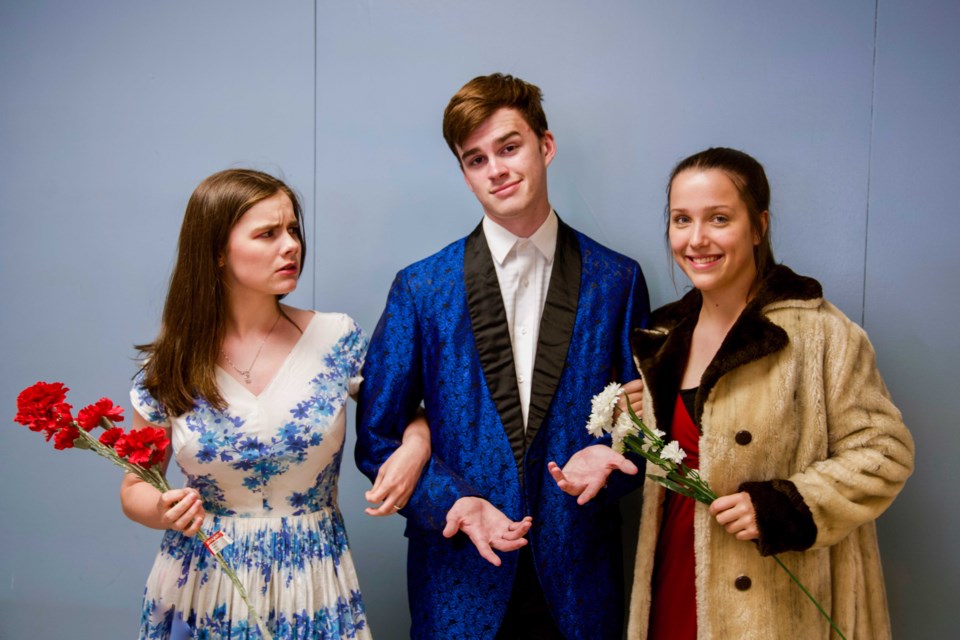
{"x":154,"y":477}
{"x":673,"y":486}
{"x":682,"y":489}
{"x":680,"y":481}
{"x":809,"y":595}
{"x":252,"y":615}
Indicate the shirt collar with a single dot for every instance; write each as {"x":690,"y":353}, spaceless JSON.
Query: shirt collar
{"x":501,"y":242}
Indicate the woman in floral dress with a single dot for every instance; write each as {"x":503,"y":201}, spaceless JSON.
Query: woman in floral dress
{"x":253,"y":393}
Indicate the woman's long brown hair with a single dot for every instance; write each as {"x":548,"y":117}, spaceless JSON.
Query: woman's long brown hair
{"x":179,"y":366}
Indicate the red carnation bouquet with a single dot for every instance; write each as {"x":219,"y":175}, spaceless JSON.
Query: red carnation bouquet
{"x":43,"y":408}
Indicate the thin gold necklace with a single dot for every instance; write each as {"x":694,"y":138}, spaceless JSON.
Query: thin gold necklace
{"x":246,"y":374}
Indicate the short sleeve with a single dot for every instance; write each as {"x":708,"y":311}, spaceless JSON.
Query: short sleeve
{"x":145,"y":404}
{"x":352,"y":353}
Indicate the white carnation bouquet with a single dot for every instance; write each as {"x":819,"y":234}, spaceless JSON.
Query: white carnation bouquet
{"x":629,"y":433}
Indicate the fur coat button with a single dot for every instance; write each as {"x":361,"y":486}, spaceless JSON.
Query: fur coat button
{"x":743,"y":437}
{"x":742,"y":583}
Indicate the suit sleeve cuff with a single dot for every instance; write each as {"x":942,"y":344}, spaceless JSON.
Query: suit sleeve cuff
{"x":783,"y":518}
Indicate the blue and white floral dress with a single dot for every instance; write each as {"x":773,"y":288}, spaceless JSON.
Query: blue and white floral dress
{"x":267,"y":470}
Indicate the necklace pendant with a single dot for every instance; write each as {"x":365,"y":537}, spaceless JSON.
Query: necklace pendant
{"x":246,"y":374}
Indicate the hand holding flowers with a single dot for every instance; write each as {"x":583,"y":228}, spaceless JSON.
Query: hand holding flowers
{"x":735,"y":513}
{"x":181,"y":510}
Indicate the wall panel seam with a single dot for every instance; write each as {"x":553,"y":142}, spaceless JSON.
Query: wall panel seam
{"x":873,"y":103}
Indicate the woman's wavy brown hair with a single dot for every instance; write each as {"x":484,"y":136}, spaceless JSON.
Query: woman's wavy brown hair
{"x":179,"y":366}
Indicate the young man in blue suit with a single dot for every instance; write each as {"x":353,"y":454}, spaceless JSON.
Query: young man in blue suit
{"x":504,"y":337}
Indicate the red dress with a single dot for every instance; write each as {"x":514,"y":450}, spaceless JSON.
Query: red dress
{"x":673,"y":605}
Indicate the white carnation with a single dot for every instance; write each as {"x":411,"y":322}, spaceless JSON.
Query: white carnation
{"x":601,"y":410}
{"x":673,"y":452}
{"x":621,"y":429}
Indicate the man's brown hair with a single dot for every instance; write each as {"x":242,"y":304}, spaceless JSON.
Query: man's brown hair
{"x":482,"y":97}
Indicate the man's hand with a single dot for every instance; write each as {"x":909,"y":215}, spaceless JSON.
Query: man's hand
{"x":587,"y":471}
{"x":487,"y":527}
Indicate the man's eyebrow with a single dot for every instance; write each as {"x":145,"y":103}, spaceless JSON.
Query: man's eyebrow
{"x":507,"y":136}
{"x":500,"y":140}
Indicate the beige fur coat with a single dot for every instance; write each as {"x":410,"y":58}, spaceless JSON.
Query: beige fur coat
{"x":793,"y":405}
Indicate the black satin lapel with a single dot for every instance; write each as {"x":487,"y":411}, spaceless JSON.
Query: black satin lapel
{"x":492,"y":336}
{"x":556,"y":326}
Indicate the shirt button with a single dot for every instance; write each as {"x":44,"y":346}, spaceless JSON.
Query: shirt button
{"x":520,"y":379}
{"x":523,"y":331}
{"x":525,"y":282}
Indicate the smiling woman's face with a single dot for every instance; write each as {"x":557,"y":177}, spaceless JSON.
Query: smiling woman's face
{"x":710,"y":233}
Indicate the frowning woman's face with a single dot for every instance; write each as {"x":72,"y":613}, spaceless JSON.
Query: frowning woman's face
{"x":263,"y":250}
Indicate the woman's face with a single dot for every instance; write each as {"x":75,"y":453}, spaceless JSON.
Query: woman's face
{"x":263,"y":250}
{"x":710,"y":234}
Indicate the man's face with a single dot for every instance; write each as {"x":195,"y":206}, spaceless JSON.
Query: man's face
{"x":505,"y":165}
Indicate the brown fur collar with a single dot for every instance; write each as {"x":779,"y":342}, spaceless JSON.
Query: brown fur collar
{"x":661,"y":351}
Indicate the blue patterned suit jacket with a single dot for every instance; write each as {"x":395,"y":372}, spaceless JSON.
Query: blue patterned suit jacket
{"x":443,"y":341}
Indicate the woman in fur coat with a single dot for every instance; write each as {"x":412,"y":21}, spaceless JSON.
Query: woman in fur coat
{"x":775,"y":394}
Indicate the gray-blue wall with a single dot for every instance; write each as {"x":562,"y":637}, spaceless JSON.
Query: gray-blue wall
{"x":112,"y":111}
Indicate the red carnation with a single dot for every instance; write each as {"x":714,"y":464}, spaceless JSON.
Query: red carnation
{"x":65,"y":437}
{"x":89,"y":417}
{"x":41,"y":404}
{"x":109,"y":437}
{"x":59,"y":421}
{"x":144,"y":447}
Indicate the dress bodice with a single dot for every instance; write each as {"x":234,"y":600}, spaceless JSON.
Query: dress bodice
{"x":276,"y":453}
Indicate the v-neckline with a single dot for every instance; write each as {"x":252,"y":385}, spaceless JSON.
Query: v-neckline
{"x":283,"y":365}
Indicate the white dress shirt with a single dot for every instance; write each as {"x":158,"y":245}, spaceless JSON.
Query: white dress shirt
{"x":523,"y":268}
